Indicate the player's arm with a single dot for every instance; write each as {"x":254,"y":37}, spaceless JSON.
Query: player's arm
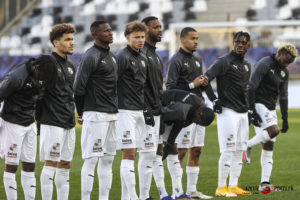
{"x":283,"y":102}
{"x":8,"y":85}
{"x":84,"y":71}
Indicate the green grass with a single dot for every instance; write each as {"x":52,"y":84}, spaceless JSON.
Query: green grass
{"x":286,"y":169}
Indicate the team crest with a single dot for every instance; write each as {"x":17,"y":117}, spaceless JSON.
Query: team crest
{"x":70,"y":70}
{"x":113,"y":58}
{"x":126,"y":138}
{"x":55,"y":150}
{"x":246,"y":68}
{"x":282,"y":73}
{"x":157,"y":59}
{"x":97,"y":146}
{"x":198,"y":64}
{"x":12,"y":153}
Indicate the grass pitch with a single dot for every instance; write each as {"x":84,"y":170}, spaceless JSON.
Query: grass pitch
{"x":286,"y":168}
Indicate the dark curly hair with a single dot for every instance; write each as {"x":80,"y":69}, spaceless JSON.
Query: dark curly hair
{"x":59,"y":30}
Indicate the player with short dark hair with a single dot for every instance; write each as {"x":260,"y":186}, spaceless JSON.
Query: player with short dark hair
{"x":55,"y":114}
{"x":269,"y":80}
{"x":95,"y":91}
{"x":148,"y":161}
{"x":20,"y":90}
{"x":132,"y":73}
{"x":185,"y":72}
{"x":232,"y":72}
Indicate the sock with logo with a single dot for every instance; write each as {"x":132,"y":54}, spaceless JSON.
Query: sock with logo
{"x":29,"y":184}
{"x":224,"y":168}
{"x":10,"y":185}
{"x":266,"y":161}
{"x":62,"y":183}
{"x":176,"y":174}
{"x":47,"y":182}
{"x":87,"y":176}
{"x":235,"y":168}
{"x":145,"y":169}
{"x":128,"y":174}
{"x":105,"y":174}
{"x":159,"y":176}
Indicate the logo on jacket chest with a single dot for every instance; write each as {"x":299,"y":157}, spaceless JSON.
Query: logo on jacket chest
{"x":70,"y":70}
{"x":143,"y":63}
{"x":282,"y":74}
{"x":114,"y":60}
{"x":197,"y":63}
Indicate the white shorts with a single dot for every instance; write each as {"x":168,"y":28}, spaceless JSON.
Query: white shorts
{"x":191,"y":136}
{"x":131,"y":127}
{"x":233,"y":130}
{"x":98,"y":135}
{"x":151,"y":138}
{"x":56,"y":143}
{"x":268,"y":117}
{"x":2,"y":140}
{"x":20,"y":142}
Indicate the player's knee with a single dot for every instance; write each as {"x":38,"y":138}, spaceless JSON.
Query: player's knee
{"x":64,"y":164}
{"x":273,"y":131}
{"x":268,"y":146}
{"x":159,"y":150}
{"x":28,"y":167}
{"x":11,"y":168}
{"x":181,"y":153}
{"x":173,"y":150}
{"x":50,"y":163}
{"x":196,"y":151}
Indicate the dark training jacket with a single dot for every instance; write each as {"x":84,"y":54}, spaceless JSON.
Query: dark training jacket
{"x":154,"y":81}
{"x":20,"y":91}
{"x":56,"y":108}
{"x":132,"y":72}
{"x":182,"y":70}
{"x":95,"y":86}
{"x":268,"y":82}
{"x":232,"y":73}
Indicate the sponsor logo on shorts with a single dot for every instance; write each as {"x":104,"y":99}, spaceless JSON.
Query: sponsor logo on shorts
{"x":55,"y":150}
{"x":97,"y":146}
{"x":186,"y":138}
{"x":126,"y":137}
{"x":269,"y":118}
{"x":149,"y":141}
{"x":230,"y":142}
{"x":12,"y":153}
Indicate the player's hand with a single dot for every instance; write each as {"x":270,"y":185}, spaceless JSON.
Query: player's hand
{"x":285,"y":126}
{"x":200,"y":81}
{"x":217,"y":106}
{"x":255,"y":118}
{"x":148,"y":116}
{"x":79,"y":119}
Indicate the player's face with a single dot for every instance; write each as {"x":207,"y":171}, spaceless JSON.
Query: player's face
{"x":136,"y":40}
{"x":104,"y":34}
{"x":155,"y":32}
{"x":285,"y":59}
{"x":190,"y":41}
{"x":241,"y":45}
{"x":65,"y":44}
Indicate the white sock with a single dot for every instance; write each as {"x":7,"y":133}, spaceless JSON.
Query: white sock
{"x":62,"y":183}
{"x":159,"y":176}
{"x":266,"y":161}
{"x":29,"y":184}
{"x":105,"y":175}
{"x":260,"y":138}
{"x":10,"y":185}
{"x":235,"y":168}
{"x":145,"y":169}
{"x":128,"y":174}
{"x":176,"y":174}
{"x":224,"y":168}
{"x":87,"y":177}
{"x":47,"y":182}
{"x":124,"y":191}
{"x":192,"y":178}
